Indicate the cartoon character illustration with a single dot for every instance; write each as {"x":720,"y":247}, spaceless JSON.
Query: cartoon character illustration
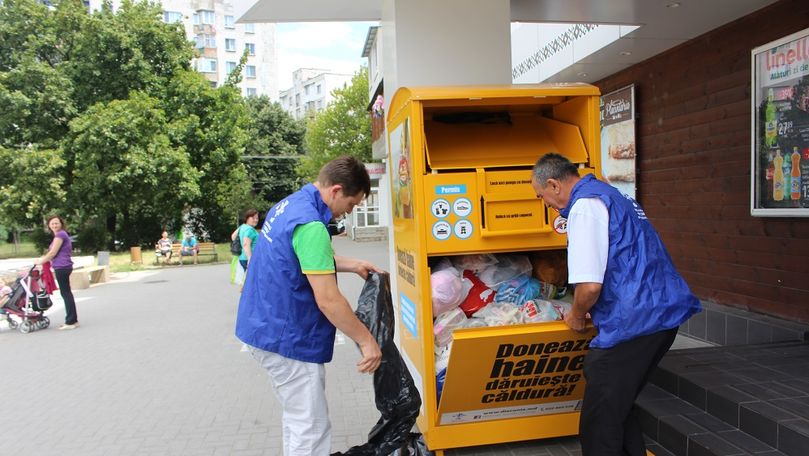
{"x":404,"y":190}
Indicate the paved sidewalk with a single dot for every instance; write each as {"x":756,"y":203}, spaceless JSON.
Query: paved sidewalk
{"x":155,"y":369}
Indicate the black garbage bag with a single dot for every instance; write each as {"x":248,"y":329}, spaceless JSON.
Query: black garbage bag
{"x":413,"y":446}
{"x":397,"y":398}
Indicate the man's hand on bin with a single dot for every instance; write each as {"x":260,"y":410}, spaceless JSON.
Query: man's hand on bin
{"x":575,"y":323}
{"x":584,"y":297}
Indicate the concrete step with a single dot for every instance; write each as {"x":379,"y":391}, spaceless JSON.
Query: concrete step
{"x":750,"y":399}
{"x":684,"y":430}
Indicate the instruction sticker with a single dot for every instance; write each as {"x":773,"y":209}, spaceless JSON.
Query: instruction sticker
{"x":463,"y":229}
{"x":560,"y":225}
{"x":442,"y":230}
{"x":408,"y":312}
{"x":462,"y":207}
{"x":440,"y":208}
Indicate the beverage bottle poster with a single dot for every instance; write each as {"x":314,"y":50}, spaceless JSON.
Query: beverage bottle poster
{"x":780,"y":128}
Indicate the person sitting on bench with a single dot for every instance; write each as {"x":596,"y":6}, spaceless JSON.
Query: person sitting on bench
{"x":163,"y":247}
{"x":189,"y":247}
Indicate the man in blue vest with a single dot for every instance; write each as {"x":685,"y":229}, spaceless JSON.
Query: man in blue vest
{"x":625,"y":279}
{"x":290,"y":304}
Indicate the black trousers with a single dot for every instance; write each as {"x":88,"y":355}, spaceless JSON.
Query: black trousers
{"x":63,"y":280}
{"x":615,"y":376}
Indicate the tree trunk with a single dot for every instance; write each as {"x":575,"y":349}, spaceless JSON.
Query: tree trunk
{"x":111,"y":223}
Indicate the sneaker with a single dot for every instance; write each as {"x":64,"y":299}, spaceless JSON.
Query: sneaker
{"x":66,"y":326}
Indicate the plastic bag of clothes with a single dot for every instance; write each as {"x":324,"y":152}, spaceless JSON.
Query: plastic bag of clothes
{"x":397,"y":398}
{"x":447,"y":290}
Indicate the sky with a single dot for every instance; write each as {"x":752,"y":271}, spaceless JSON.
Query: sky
{"x":335,"y":46}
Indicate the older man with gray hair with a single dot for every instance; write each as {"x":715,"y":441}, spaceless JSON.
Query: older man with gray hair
{"x":624,"y":278}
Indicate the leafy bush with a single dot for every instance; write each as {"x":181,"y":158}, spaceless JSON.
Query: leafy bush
{"x":92,"y":236}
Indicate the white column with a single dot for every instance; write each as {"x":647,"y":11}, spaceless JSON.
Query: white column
{"x":446,"y":42}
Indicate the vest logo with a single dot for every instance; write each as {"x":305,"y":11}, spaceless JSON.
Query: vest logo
{"x":277,"y":210}
{"x":638,"y":210}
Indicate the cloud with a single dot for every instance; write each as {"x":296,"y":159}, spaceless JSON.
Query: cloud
{"x":333,"y":46}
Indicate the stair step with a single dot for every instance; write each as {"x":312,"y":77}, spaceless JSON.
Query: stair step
{"x":757,"y":392}
{"x":684,"y":430}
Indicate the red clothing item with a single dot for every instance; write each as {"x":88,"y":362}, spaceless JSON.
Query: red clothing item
{"x":48,"y":279}
{"x":479,"y":296}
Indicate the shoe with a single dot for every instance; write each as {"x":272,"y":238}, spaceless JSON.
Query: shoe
{"x":67,"y":327}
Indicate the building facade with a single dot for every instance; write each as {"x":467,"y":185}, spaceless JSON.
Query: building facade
{"x":311,"y":91}
{"x":220,"y":42}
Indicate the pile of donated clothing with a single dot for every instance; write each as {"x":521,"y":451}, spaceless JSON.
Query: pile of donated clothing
{"x":485,"y":290}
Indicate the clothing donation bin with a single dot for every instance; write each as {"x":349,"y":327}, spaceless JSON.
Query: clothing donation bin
{"x":461,"y":160}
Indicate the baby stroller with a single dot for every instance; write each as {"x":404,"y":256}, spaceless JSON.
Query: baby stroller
{"x":27,"y":303}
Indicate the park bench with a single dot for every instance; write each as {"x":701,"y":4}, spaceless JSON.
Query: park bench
{"x":82,"y":277}
{"x":205,"y":249}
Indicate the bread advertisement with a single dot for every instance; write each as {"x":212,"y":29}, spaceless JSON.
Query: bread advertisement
{"x":618,"y":139}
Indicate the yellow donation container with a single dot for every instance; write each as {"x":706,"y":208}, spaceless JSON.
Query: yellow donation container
{"x":461,"y":161}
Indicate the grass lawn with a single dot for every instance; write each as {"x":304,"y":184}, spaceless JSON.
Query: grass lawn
{"x":26,"y":250}
{"x":120,"y":261}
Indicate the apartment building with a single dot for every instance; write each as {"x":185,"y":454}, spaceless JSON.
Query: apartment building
{"x":220,"y":41}
{"x":311,"y":91}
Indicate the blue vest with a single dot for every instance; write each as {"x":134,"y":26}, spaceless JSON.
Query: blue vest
{"x":277,"y":309}
{"x":642,"y":292}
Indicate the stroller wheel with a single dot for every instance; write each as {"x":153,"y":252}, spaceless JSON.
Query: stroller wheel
{"x":26,"y":327}
{"x":11,"y":323}
{"x":46,"y":322}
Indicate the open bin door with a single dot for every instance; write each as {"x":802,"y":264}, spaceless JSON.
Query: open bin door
{"x":478,"y":189}
{"x":510,"y":372}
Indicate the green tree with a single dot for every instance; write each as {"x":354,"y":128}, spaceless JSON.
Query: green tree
{"x":211,"y":124}
{"x":125,"y":50}
{"x":273,"y":150}
{"x":125,"y":168}
{"x":111,"y":95}
{"x":343,"y":128}
{"x":35,"y":105}
{"x":31,"y":185}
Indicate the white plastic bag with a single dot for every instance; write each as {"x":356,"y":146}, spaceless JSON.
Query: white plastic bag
{"x":539,"y":310}
{"x":506,"y":268}
{"x":442,"y":356}
{"x":500,"y":314}
{"x":474,"y":263}
{"x":445,"y":323}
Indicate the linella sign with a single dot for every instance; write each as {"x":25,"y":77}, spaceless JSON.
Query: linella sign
{"x":787,"y":61}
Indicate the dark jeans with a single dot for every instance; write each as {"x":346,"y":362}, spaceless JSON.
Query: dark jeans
{"x":244,"y":264}
{"x":615,"y":376}
{"x":63,"y":280}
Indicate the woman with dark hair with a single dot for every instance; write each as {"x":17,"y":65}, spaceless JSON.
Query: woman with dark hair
{"x":248,"y":236}
{"x":59,"y":255}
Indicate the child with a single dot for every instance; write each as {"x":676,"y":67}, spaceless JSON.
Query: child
{"x":5,"y":291}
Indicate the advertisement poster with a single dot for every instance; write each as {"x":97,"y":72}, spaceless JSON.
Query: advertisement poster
{"x":526,"y":372}
{"x":780,"y":128}
{"x":618,"y":139}
{"x":401,"y":171}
